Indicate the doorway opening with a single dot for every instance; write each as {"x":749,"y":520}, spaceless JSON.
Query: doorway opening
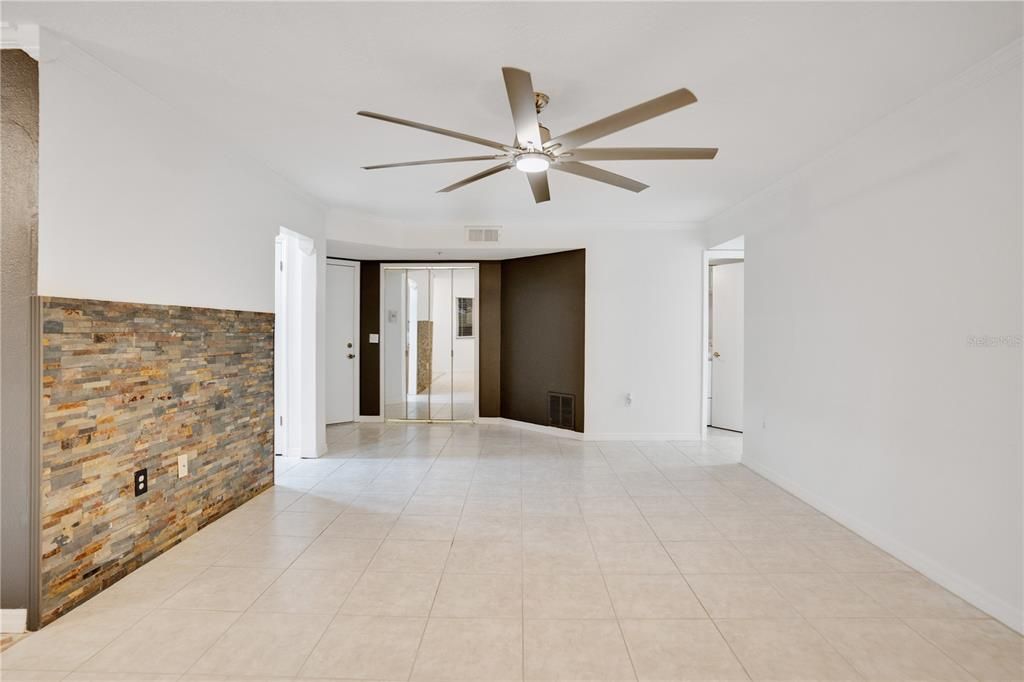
{"x":429,"y":323}
{"x":722,"y":406}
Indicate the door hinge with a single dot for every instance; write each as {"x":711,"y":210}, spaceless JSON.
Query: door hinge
{"x":281,"y":263}
{"x":280,"y":421}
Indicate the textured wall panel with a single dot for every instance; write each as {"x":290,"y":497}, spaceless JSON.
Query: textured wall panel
{"x":19,"y":219}
{"x":129,"y":386}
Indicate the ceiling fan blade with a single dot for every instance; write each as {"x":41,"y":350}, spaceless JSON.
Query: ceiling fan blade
{"x":539,"y":185}
{"x":433,"y":161}
{"x":523,"y":102}
{"x":642,"y":153}
{"x":624,"y":119}
{"x":599,"y":174}
{"x":435,"y":129}
{"x":479,"y":176}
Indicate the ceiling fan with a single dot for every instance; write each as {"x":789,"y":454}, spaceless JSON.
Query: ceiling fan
{"x":534,"y":151}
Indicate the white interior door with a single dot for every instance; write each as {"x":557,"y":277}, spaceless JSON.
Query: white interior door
{"x":727,"y":346}
{"x":340,"y":340}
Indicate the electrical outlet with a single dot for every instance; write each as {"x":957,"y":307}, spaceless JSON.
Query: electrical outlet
{"x":182,"y":466}
{"x":141,"y":482}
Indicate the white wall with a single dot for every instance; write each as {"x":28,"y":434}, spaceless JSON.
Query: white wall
{"x":643,"y":335}
{"x":138,"y":203}
{"x":643,"y":315}
{"x":868,"y":273}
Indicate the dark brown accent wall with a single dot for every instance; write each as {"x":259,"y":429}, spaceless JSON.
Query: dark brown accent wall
{"x":129,"y":386}
{"x":369,"y":353}
{"x":19,"y":198}
{"x":542,"y":333}
{"x":490,"y":339}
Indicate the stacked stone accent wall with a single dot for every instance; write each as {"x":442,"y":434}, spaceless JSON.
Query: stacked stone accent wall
{"x":424,"y":355}
{"x":128,"y":386}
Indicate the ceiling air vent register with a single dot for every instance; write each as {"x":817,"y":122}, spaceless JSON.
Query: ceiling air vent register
{"x":481,"y":234}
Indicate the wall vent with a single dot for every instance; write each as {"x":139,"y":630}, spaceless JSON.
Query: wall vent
{"x":478,"y":234}
{"x":562,"y":410}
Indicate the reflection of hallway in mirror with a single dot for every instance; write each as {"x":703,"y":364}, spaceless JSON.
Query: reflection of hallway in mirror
{"x":430,"y":343}
{"x":441,"y":399}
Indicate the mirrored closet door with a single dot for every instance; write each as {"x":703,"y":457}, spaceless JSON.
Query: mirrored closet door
{"x":429,"y":330}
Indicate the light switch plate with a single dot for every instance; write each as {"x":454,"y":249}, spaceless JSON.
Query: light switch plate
{"x":182,"y":466}
{"x":374,"y":338}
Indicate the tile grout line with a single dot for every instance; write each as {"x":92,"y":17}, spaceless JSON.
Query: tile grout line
{"x":290,"y":564}
{"x":440,"y":579}
{"x":690,"y":587}
{"x":354,"y":583}
{"x":798,"y":615}
{"x":906,"y":622}
{"x":758,"y":572}
{"x":285,"y":570}
{"x":600,"y":568}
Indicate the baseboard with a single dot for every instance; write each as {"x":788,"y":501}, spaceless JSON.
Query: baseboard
{"x":641,"y":436}
{"x":297,"y":453}
{"x":370,"y":418}
{"x":527,"y":426}
{"x":587,"y":436}
{"x":13,"y":621}
{"x":565,"y":433}
{"x":1011,"y":616}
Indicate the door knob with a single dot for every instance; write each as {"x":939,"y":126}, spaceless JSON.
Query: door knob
{"x":351,"y":355}
{"x":716,"y":354}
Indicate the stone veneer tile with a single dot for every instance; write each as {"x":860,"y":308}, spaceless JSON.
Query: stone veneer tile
{"x":127,"y":386}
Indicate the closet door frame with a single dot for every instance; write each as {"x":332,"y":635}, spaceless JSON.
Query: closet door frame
{"x":384,"y":341}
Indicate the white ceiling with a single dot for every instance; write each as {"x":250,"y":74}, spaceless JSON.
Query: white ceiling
{"x":778,"y":84}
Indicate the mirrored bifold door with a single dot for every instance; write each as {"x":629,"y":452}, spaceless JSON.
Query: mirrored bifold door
{"x":430,"y":338}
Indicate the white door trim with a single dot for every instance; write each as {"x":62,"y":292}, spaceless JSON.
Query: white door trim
{"x":726,"y":402}
{"x":355,"y":327}
{"x":296,"y":324}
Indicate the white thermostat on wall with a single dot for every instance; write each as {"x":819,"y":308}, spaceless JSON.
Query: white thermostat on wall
{"x":374,"y":338}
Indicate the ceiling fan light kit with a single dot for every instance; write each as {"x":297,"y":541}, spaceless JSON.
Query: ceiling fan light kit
{"x":533,"y":162}
{"x":535,"y":152}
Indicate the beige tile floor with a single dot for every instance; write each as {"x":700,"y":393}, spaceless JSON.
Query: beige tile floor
{"x":433,"y":552}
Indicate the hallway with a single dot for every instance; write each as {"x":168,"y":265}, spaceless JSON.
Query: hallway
{"x":430,"y":552}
